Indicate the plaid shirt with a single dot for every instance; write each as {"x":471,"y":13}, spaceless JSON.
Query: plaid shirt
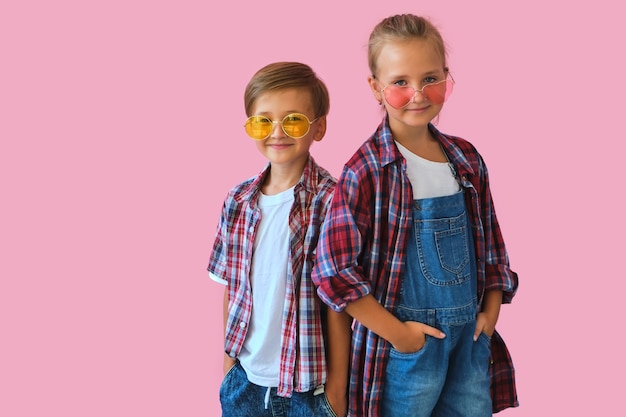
{"x":302,"y":357}
{"x":361,"y":252}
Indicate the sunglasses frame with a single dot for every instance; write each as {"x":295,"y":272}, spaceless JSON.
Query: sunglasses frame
{"x":280,"y":122}
{"x":416,"y":90}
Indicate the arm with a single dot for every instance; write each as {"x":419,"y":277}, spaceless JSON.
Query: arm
{"x":218,"y":264}
{"x":339,"y":328}
{"x":498,"y":273}
{"x":340,"y":275}
{"x":500,"y":281}
{"x":228,"y":361}
{"x":404,"y":336}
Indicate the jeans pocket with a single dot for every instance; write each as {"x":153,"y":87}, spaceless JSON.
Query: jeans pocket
{"x":325,"y":406}
{"x":228,"y":375}
{"x":482,"y":351}
{"x":484,"y":340}
{"x":410,"y":355}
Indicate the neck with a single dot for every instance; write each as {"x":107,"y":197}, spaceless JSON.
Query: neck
{"x":410,"y":136}
{"x":280,"y":178}
{"x":421,"y":142}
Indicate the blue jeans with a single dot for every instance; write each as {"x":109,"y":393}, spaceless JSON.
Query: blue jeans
{"x":241,"y":398}
{"x":447,"y":377}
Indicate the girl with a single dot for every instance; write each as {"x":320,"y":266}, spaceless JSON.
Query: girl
{"x":412,"y":250}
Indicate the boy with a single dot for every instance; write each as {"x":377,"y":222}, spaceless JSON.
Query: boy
{"x":264,"y":250}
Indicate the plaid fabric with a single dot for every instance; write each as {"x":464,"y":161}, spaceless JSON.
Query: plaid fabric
{"x":302,"y":358}
{"x":361,"y":251}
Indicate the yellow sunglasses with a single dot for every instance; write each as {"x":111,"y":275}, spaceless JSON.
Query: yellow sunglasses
{"x":295,"y":125}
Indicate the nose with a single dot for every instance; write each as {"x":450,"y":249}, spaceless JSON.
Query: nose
{"x":421,"y":93}
{"x":277,"y":130}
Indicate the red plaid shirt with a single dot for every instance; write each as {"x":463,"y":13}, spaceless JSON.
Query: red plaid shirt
{"x":361,"y":251}
{"x":302,"y":358}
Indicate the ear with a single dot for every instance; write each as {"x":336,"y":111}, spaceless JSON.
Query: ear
{"x":373,"y":82}
{"x":321,"y":129}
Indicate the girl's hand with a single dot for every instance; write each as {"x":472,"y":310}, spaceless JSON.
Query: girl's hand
{"x":486,"y":320}
{"x":414,"y":336}
{"x":484,"y":324}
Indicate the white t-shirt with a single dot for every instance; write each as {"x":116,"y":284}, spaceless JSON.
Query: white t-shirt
{"x":260,"y":353}
{"x":428,"y":178}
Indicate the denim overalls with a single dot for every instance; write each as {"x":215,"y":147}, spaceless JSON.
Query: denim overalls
{"x":450,"y":376}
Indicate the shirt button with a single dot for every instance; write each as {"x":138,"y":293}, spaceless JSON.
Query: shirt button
{"x":242,"y":324}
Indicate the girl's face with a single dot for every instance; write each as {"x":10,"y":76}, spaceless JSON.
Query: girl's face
{"x":414,"y":63}
{"x":279,"y":148}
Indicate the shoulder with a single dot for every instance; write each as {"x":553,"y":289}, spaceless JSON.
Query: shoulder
{"x":366,"y":158}
{"x":236,"y":192}
{"x":462,"y":153}
{"x":324,"y":177}
{"x":323,"y":183}
{"x":465,"y":145}
{"x":245,"y":190}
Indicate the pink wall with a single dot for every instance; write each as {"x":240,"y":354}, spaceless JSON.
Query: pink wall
{"x":121,"y":128}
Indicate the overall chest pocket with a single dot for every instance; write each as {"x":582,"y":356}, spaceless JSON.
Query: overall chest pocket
{"x":443,"y":249}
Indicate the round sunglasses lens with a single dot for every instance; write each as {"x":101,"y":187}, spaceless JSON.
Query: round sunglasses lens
{"x":258,"y":127}
{"x":296,"y":125}
{"x":438,"y":93}
{"x":397,"y":96}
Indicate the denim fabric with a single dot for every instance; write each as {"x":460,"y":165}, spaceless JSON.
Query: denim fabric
{"x":440,"y":268}
{"x":241,"y":398}
{"x":447,"y":377}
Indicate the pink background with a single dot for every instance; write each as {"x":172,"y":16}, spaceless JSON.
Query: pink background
{"x":121,"y":127}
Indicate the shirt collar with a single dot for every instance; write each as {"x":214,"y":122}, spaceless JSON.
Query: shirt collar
{"x":389,"y":151}
{"x":308,"y":181}
{"x":453,"y":152}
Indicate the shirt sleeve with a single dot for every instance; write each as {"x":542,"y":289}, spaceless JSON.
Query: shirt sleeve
{"x":498,"y":274}
{"x":218,"y":279}
{"x":217,"y":261}
{"x":337,"y":274}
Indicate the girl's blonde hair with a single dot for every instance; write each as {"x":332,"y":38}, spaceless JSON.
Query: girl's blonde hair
{"x":281,"y":75}
{"x":403,"y":27}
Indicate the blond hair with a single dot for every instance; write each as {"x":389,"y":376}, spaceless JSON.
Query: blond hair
{"x":399,"y":28}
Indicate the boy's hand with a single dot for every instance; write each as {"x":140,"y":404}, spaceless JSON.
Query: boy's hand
{"x":339,"y":331}
{"x":228,"y":363}
{"x":413,"y":337}
{"x":337,"y":400}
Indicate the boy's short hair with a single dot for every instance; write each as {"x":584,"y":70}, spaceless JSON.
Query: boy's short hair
{"x":281,"y":75}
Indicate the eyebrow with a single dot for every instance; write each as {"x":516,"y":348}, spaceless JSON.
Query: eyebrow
{"x":424,"y":74}
{"x":285,"y":113}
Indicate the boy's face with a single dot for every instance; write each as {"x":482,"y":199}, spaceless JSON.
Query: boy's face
{"x":278,"y":148}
